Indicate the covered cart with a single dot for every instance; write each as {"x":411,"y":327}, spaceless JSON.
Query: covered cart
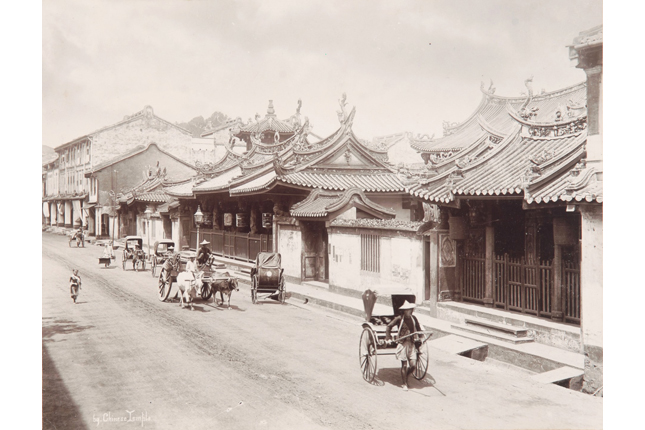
{"x":372,"y":342}
{"x":268,"y":278}
{"x":133,"y":250}
{"x":161,"y":251}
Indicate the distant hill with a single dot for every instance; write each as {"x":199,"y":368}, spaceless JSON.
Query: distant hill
{"x":48,"y":154}
{"x":199,"y":125}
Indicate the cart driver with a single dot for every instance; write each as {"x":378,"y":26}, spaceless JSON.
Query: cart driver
{"x":204,"y":253}
{"x":406,"y":350}
{"x":191,"y":265}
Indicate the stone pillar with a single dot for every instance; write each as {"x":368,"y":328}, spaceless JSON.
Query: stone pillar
{"x":490,"y":261}
{"x":68,"y":214}
{"x":557,"y":313}
{"x":591,"y":308}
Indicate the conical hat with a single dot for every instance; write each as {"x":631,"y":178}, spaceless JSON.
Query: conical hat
{"x":407,"y":305}
{"x":205,"y":242}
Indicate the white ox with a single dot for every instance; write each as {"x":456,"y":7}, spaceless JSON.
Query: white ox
{"x":188,"y":285}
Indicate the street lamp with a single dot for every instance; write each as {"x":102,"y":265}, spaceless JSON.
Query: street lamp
{"x":199,"y":217}
{"x":148,"y":212}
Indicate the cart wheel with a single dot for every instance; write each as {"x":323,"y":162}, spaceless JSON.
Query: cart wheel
{"x":206,"y":292}
{"x":422,"y":362}
{"x":367,"y":354}
{"x":164,"y":287}
{"x":254,"y":290}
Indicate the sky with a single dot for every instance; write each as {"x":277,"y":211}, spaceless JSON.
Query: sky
{"x":406,"y":66}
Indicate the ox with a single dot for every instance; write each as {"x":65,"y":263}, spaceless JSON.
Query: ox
{"x":225,"y":286}
{"x":188,"y":285}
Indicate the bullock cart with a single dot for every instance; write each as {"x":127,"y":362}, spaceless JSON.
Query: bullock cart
{"x":176,"y":263}
{"x":372,"y":342}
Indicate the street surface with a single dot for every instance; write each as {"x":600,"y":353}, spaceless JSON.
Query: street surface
{"x":122,"y":359}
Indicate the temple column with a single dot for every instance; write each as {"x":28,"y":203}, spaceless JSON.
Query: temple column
{"x":591,"y":292}
{"x":490,"y":259}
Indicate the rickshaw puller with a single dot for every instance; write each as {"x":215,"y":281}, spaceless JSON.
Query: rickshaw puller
{"x":406,"y":350}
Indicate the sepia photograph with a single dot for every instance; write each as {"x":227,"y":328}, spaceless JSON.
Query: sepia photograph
{"x":322,"y":214}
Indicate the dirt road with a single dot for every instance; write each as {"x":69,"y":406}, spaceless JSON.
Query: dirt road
{"x":122,"y":359}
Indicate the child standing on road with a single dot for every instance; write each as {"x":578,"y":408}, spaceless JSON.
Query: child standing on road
{"x":74,"y":285}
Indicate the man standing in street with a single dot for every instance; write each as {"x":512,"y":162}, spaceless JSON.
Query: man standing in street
{"x":406,"y":350}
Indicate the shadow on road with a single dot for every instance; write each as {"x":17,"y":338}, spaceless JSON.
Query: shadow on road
{"x":59,"y":326}
{"x":392,"y":376}
{"x":59,"y":409}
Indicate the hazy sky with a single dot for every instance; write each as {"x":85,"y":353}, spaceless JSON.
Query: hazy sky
{"x":405,"y":65}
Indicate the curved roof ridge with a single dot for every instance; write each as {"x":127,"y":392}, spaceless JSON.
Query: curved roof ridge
{"x":538,"y":97}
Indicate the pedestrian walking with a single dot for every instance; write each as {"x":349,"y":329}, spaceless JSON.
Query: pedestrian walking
{"x":74,"y":285}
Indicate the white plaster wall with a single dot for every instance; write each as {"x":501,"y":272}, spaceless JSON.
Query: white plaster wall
{"x":290,"y":247}
{"x":401,"y":265}
{"x":591,"y":275}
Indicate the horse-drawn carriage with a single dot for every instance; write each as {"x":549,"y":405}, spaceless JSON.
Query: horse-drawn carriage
{"x":133,"y":250}
{"x":211,"y":281}
{"x":268,"y":278}
{"x":161,"y":251}
{"x":373,"y":343}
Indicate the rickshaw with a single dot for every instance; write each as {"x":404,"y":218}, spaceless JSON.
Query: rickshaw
{"x":161,"y":251}
{"x":373,"y":344}
{"x":268,"y":278}
{"x":133,"y":250}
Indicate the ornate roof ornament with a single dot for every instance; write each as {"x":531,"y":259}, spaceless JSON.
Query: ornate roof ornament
{"x":463,"y":162}
{"x":447,"y":126}
{"x":342,"y":114}
{"x":295,"y":118}
{"x":300,"y":142}
{"x":524,"y":111}
{"x":543,"y":158}
{"x":491,"y":89}
{"x":270,"y":110}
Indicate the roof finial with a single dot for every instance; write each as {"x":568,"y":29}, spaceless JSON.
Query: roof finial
{"x":270,"y":110}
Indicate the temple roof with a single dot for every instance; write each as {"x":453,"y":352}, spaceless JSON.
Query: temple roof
{"x":270,"y":122}
{"x":492,"y":116}
{"x":322,"y":204}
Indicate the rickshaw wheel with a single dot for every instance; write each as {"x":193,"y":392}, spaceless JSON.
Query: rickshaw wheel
{"x":164,"y":287}
{"x":206,"y":292}
{"x":422,"y":362}
{"x":367,"y":354}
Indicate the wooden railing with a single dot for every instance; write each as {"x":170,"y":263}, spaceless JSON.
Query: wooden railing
{"x":523,"y":286}
{"x":571,"y":281}
{"x":473,"y":278}
{"x":238,"y":246}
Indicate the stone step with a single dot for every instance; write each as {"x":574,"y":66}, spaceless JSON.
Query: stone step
{"x":495,"y":334}
{"x":505,"y":328}
{"x":558,"y":375}
{"x":317,"y":284}
{"x":462,"y":346}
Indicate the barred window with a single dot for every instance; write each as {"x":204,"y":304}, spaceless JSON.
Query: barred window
{"x":370,"y":253}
